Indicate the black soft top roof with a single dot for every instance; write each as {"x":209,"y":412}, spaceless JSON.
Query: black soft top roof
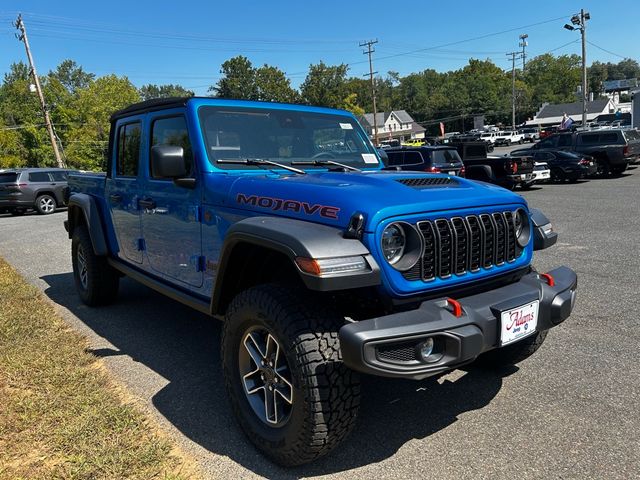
{"x":150,"y":106}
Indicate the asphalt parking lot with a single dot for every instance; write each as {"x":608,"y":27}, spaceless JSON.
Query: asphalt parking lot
{"x":571,"y":411}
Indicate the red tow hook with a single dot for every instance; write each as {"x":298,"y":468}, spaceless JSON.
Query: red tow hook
{"x":457,"y":308}
{"x":550,"y":281}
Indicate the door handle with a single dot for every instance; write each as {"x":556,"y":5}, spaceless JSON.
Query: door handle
{"x":115,"y":197}
{"x":147,"y":203}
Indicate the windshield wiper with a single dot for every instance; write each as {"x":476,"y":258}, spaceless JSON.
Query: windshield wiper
{"x":323,"y":163}
{"x":259,"y":162}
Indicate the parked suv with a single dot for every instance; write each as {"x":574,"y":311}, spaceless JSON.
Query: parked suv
{"x":32,"y":188}
{"x":426,"y":159}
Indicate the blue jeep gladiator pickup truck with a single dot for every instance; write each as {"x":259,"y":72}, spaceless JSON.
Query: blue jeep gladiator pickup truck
{"x":279,"y":220}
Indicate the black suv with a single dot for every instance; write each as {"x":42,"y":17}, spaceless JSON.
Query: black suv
{"x":23,"y":189}
{"x":436,"y":159}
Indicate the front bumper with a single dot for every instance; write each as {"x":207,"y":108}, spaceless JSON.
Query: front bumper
{"x":387,"y":346}
{"x":540,"y":175}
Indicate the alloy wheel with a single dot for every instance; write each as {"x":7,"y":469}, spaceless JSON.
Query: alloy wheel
{"x":266,"y":377}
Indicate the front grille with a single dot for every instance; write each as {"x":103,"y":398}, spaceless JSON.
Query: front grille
{"x":457,"y":245}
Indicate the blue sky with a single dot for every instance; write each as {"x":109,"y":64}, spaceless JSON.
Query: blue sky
{"x":186,"y":42}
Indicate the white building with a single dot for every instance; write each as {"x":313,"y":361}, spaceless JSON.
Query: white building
{"x":395,"y":124}
{"x":550,"y":114}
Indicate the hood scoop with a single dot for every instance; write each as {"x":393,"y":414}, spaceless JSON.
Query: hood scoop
{"x":422,"y":182}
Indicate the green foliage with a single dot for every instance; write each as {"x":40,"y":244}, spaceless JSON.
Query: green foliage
{"x":238,"y":80}
{"x":350,"y":103}
{"x":272,"y":85}
{"x":325,"y":85}
{"x":149,"y":91}
{"x":553,"y":79}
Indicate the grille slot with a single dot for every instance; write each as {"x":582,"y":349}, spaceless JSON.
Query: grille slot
{"x":459,"y":245}
{"x":398,"y":352}
{"x":419,"y":182}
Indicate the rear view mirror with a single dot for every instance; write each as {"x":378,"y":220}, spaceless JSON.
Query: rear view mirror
{"x":167,"y":161}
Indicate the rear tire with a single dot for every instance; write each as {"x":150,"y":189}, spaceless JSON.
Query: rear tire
{"x":514,"y":353}
{"x":96,"y":281}
{"x":45,"y":204}
{"x":324,"y":394}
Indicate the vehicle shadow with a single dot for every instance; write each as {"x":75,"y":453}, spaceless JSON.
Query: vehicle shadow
{"x":182,"y":347}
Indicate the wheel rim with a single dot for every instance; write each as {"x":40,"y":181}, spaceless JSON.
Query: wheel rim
{"x":47,"y":204}
{"x":81,"y":263}
{"x":266,"y":377}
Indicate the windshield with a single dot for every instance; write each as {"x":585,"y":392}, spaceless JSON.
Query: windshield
{"x":283,"y":136}
{"x":445,"y":157}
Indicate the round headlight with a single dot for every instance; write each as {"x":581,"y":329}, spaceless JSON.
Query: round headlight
{"x":521,"y":227}
{"x":393,"y":243}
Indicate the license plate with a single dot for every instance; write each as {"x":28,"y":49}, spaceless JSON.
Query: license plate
{"x":452,"y":173}
{"x":518,"y":323}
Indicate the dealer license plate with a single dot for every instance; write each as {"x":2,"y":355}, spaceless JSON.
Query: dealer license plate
{"x":518,"y":323}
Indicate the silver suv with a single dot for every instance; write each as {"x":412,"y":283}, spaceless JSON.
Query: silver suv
{"x":23,"y":189}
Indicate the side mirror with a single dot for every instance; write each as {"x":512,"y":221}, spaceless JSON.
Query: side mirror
{"x":167,"y":161}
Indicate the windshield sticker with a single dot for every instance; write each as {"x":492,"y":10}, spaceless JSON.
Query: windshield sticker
{"x":280,"y":204}
{"x":346,"y":126}
{"x":370,"y":158}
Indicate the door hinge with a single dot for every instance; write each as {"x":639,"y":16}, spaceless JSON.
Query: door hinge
{"x":142,"y":246}
{"x":201,"y":264}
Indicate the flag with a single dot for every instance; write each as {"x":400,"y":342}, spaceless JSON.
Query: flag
{"x":441,"y":129}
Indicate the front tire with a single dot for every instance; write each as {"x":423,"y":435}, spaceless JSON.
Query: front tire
{"x":514,"y":353}
{"x":279,"y":345}
{"x":96,"y":281}
{"x":46,"y":204}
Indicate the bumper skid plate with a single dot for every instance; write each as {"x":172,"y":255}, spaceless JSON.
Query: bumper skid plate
{"x":390,"y":345}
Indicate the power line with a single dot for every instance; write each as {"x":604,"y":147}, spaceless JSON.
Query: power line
{"x":608,"y":51}
{"x":369,"y":52}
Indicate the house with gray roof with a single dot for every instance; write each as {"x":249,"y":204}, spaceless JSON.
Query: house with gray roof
{"x":551,"y":114}
{"x":396,"y":124}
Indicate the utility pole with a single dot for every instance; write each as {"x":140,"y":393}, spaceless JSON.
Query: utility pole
{"x":523,"y":43}
{"x":514,"y":56}
{"x":47,"y":120}
{"x":368,"y":52}
{"x":580,"y":22}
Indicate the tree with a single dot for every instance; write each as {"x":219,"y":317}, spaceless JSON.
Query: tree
{"x":150,"y":91}
{"x":350,"y":103}
{"x":273,"y":86}
{"x":238,"y":80}
{"x":71,"y":76}
{"x":553,"y":79}
{"x":325,"y":85}
{"x":88,"y":137}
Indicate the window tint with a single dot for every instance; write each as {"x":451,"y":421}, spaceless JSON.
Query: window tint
{"x":59,"y":176}
{"x":172,"y":131}
{"x":632,"y":135}
{"x":441,"y":157}
{"x":412,"y":158}
{"x":609,"y":138}
{"x":564,"y":141}
{"x":39,"y":177}
{"x":547,"y":143}
{"x":395,"y":158}
{"x":590,"y":138}
{"x":8,"y":177}
{"x":128,"y":150}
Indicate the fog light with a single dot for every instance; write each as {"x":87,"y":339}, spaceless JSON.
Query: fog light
{"x":426,"y":349}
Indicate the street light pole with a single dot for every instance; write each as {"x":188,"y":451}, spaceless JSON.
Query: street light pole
{"x":580,"y":22}
{"x":583,"y":32}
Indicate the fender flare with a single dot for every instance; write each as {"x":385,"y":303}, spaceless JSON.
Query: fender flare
{"x":297,"y":238}
{"x":87,"y":205}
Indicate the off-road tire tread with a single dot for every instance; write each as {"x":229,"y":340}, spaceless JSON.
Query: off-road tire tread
{"x":332,"y":391}
{"x":103,"y":279}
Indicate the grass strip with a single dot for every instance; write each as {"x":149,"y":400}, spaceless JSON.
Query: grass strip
{"x":60,"y":414}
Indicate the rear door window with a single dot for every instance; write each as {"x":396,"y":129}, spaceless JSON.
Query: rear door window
{"x":39,"y":177}
{"x":128,"y":150}
{"x":590,"y":138}
{"x":564,"y":141}
{"x":59,"y":176}
{"x":609,"y":138}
